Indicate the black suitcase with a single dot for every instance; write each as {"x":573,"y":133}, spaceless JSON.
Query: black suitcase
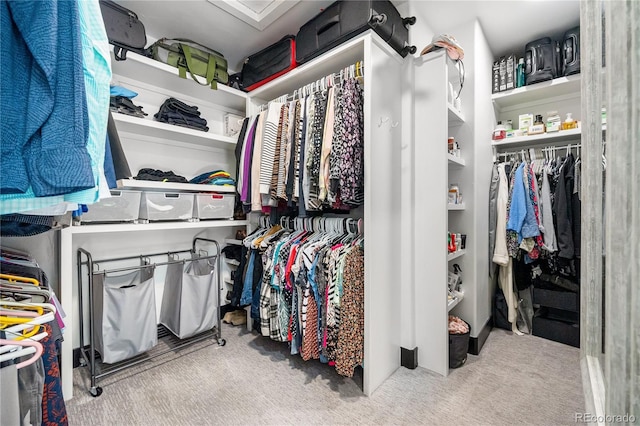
{"x":571,"y":52}
{"x":542,"y":60}
{"x":269,"y":63}
{"x":124,"y":30}
{"x":344,"y":20}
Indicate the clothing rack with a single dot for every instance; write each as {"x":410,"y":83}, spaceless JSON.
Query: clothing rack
{"x":352,"y":71}
{"x":322,"y":224}
{"x":525,"y":153}
{"x":88,"y":354}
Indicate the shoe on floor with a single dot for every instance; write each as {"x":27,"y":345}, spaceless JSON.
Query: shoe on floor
{"x":239,"y":318}
{"x":227,"y":317}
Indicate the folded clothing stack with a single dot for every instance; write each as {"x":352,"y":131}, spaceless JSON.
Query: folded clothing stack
{"x":124,"y":105}
{"x":176,"y":112}
{"x":216,"y":177}
{"x":160,"y":176}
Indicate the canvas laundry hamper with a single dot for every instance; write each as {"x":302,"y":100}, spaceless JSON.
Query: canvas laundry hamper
{"x":124,"y":314}
{"x":190,"y":299}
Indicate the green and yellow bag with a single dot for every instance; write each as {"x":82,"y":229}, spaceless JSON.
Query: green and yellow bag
{"x":198,"y":60}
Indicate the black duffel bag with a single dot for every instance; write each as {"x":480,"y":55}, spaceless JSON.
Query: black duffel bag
{"x":124,"y":30}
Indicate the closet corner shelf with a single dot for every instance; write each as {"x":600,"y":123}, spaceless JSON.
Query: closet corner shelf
{"x":561,"y":136}
{"x":455,"y":116}
{"x":232,"y":262}
{"x":455,"y":161}
{"x":455,"y":255}
{"x":233,"y":241}
{"x":159,"y":74}
{"x":561,"y":86}
{"x":153,"y":226}
{"x":454,"y":302}
{"x":455,"y":207}
{"x":150,"y":185}
{"x":157,"y":129}
{"x":228,"y":281}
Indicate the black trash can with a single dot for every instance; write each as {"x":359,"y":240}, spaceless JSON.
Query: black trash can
{"x":458,"y":348}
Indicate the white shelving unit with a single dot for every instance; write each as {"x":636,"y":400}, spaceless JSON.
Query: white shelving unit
{"x":148,"y":185}
{"x":456,"y":254}
{"x":382,"y":104}
{"x":151,"y":144}
{"x":556,"y":89}
{"x":455,"y":207}
{"x":151,"y":128}
{"x":434,"y":166}
{"x":454,"y":302}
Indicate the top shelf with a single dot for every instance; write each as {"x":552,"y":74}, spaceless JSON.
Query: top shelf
{"x":559,"y":87}
{"x":346,"y":54}
{"x":159,"y":74}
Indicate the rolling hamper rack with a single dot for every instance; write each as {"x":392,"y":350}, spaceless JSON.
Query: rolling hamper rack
{"x":88,"y":354}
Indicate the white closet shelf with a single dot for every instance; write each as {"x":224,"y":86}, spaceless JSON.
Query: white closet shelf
{"x":454,"y":302}
{"x":456,"y":117}
{"x":561,"y":136}
{"x":153,"y":226}
{"x":151,"y":185}
{"x":455,"y":255}
{"x":157,"y":129}
{"x":561,"y":86}
{"x":455,"y":206}
{"x":455,"y":161}
{"x":233,"y":241}
{"x":159,"y":74}
{"x":228,"y":281}
{"x":232,"y":262}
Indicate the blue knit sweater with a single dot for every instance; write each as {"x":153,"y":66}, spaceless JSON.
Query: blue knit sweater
{"x":44,"y":112}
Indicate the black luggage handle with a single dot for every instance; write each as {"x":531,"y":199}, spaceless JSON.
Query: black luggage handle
{"x":333,"y":21}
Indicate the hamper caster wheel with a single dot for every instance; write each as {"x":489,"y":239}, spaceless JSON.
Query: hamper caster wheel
{"x":95,"y":391}
{"x":222,"y":342}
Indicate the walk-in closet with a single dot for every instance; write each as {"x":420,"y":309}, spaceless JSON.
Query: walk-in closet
{"x":295,"y":212}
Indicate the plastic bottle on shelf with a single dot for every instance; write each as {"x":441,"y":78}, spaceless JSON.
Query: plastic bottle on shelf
{"x":500,"y":132}
{"x":520,"y":73}
{"x":554,"y":122}
{"x":569,"y":123}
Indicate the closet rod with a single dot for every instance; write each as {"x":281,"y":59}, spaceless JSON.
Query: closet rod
{"x":543,"y":149}
{"x":149,"y":265}
{"x":351,"y":71}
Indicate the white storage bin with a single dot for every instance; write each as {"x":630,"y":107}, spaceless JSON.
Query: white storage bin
{"x":122,"y":206}
{"x":166,"y":206}
{"x":214,"y":206}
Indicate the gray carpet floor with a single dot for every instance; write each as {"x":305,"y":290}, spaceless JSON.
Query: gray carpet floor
{"x":252,"y":380}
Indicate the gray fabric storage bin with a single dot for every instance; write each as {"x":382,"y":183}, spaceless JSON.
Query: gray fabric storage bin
{"x":125,"y":314}
{"x":190,"y":299}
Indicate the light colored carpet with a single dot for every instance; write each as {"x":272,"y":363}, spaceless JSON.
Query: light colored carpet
{"x":252,"y":380}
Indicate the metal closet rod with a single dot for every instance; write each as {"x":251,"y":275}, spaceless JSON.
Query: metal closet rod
{"x":92,"y":262}
{"x":353,"y":70}
{"x":544,"y":148}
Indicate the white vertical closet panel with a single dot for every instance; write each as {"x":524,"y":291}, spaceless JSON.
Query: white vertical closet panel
{"x":430,"y":224}
{"x":382,"y":210}
{"x":382,"y":112}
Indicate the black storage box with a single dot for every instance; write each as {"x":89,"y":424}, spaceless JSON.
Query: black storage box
{"x":458,"y":348}
{"x":269,"y":63}
{"x":571,"y":52}
{"x":559,"y":326}
{"x":343,"y":20}
{"x":564,"y":300}
{"x":124,"y":30}
{"x":542,"y":60}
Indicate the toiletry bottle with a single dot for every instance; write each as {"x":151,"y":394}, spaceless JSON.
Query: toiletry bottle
{"x":500,"y":132}
{"x":520,"y":73}
{"x":569,"y":123}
